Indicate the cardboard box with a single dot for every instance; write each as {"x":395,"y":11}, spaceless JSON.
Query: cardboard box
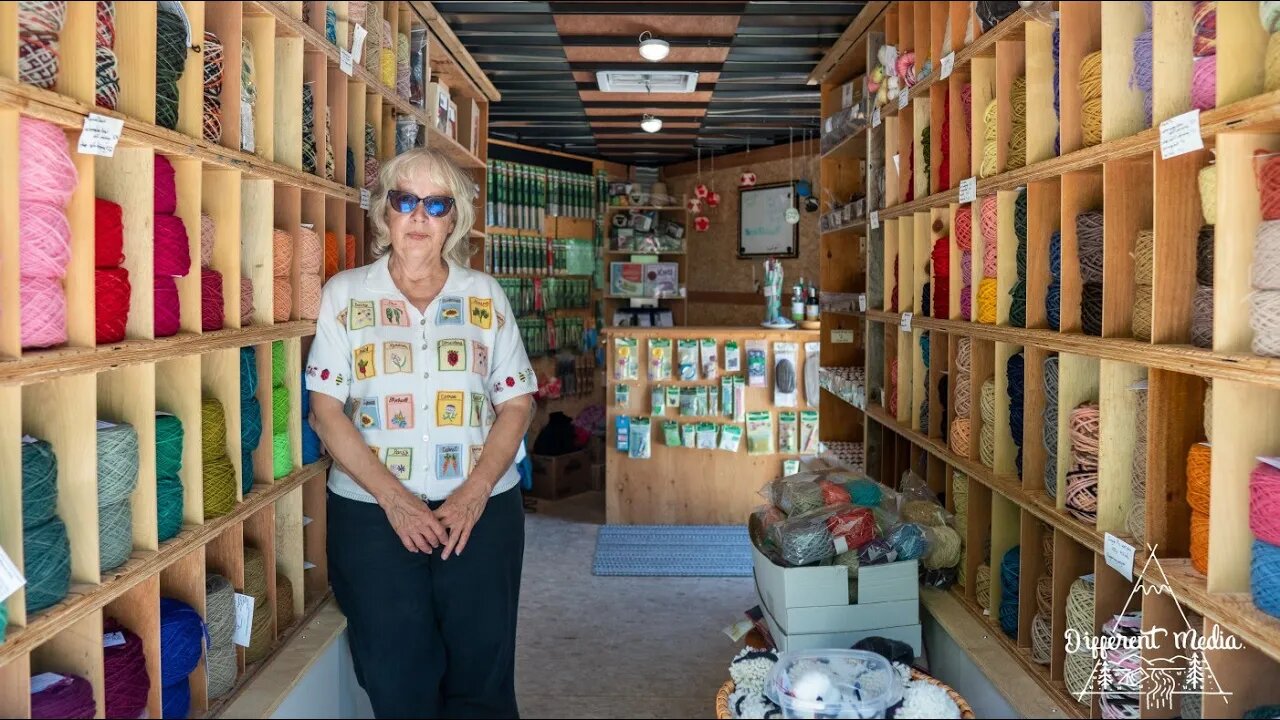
{"x":661,"y":278}
{"x":558,"y":476}
{"x":910,"y":634}
{"x":626,"y":279}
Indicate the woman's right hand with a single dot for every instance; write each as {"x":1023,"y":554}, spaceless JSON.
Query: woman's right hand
{"x":414,"y":522}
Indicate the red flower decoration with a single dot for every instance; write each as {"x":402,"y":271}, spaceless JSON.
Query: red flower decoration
{"x":511,"y":382}
{"x":324,"y":374}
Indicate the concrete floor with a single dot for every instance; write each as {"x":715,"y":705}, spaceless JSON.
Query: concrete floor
{"x":601,"y":647}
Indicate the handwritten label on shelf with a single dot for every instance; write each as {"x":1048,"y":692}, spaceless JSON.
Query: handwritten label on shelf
{"x":357,"y":41}
{"x":1119,"y":555}
{"x":904,"y":97}
{"x":875,"y":219}
{"x":244,"y":620}
{"x":839,"y":337}
{"x":948,"y":62}
{"x":968,"y":190}
{"x":1180,"y":135}
{"x":345,"y":62}
{"x":364,"y":198}
{"x":875,"y":117}
{"x":99,"y":135}
{"x":862,"y":302}
{"x":10,"y":578}
{"x":112,"y":639}
{"x":905,"y":322}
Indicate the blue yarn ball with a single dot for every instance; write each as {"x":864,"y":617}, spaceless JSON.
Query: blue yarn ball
{"x":1009,"y":616}
{"x":250,"y":424}
{"x":1265,"y":577}
{"x":1053,"y":305}
{"x":1055,"y":254}
{"x":182,"y":635}
{"x":864,"y":492}
{"x":246,"y":473}
{"x":175,"y":700}
{"x":924,"y":348}
{"x":248,"y":372}
{"x":908,"y":539}
{"x":1009,"y":568}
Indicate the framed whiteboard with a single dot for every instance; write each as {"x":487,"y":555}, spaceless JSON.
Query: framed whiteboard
{"x":762,"y":226}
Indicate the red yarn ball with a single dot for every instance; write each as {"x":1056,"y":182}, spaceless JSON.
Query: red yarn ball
{"x":211,"y":309}
{"x":111,"y":292}
{"x":108,"y":233}
{"x":168,"y":308}
{"x":166,"y":188}
{"x":173,"y":248}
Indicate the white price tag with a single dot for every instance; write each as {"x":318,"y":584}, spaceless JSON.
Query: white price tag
{"x":1180,"y":135}
{"x":904,"y":97}
{"x":1272,"y":461}
{"x":839,"y":337}
{"x":841,"y":544}
{"x":27,"y":440}
{"x":364,"y":198}
{"x":43,"y":681}
{"x":862,"y":302}
{"x":826,"y":126}
{"x":307,"y":564}
{"x":968,"y":190}
{"x":897,"y":162}
{"x":891,"y":58}
{"x":99,"y":135}
{"x":357,"y":42}
{"x":10,"y":578}
{"x":305,"y":521}
{"x":112,"y":639}
{"x":244,"y":620}
{"x":1119,"y":555}
{"x":846,"y":94}
{"x":948,"y":62}
{"x":875,"y":117}
{"x":905,"y":323}
{"x":1139,"y":385}
{"x":875,"y":219}
{"x":345,"y":62}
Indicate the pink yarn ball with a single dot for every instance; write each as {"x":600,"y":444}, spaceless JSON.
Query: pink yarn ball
{"x":283,"y":303}
{"x":43,"y":312}
{"x":173,"y":248}
{"x":1264,"y":503}
{"x":46,"y":172}
{"x":206,"y":240}
{"x":166,"y":188}
{"x":310,"y":252}
{"x":989,"y":229}
{"x":966,"y":302}
{"x":309,"y":296}
{"x":44,"y":240}
{"x":1204,"y":83}
{"x":168,"y":309}
{"x":966,"y":268}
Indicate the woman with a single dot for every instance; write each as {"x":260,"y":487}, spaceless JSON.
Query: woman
{"x":420,"y":390}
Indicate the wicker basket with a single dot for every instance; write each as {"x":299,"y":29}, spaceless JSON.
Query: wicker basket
{"x":723,"y":712}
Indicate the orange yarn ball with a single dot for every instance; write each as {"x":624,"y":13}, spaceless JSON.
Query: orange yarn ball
{"x":282,"y":253}
{"x":283,"y":299}
{"x":1200,"y":541}
{"x":309,"y":296}
{"x":1198,"y":474}
{"x":960,"y":436}
{"x":351,"y":250}
{"x":330,"y":254}
{"x":310,"y":252}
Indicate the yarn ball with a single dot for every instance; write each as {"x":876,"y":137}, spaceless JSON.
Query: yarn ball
{"x":46,"y":172}
{"x":172,"y":247}
{"x":168,"y":308}
{"x":69,"y":697}
{"x":282,"y":302}
{"x":219,"y":487}
{"x":211,"y":305}
{"x":282,"y":253}
{"x":284,"y":601}
{"x":1202,"y":317}
{"x":279,"y":364}
{"x":1199,"y":470}
{"x":111,"y":304}
{"x":246,"y":300}
{"x":108,"y":233}
{"x":944,"y":548}
{"x":982,"y":586}
{"x":165,"y":186}
{"x":309,"y":293}
{"x":908,"y":540}
{"x":220,"y":616}
{"x":43,"y":312}
{"x":1264,"y":503}
{"x":47,"y":566}
{"x":1204,"y":256}
{"x":38,"y":58}
{"x":864,"y":492}
{"x":1199,"y":546}
{"x":182,"y":635}
{"x":169,"y":507}
{"x":107,"y":78}
{"x":169,"y":439}
{"x":1207,"y":180}
{"x":1204,"y":85}
{"x":1091,"y":309}
{"x":44,"y":240}
{"x":281,"y":455}
{"x":126,"y":684}
{"x":208,"y":237}
{"x":39,"y":483}
{"x":310,"y":252}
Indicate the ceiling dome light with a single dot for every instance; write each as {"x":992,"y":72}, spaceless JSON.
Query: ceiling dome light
{"x":651,"y":124}
{"x":653,"y":49}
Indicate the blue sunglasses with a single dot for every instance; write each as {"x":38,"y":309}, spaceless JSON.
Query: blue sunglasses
{"x":437,"y":206}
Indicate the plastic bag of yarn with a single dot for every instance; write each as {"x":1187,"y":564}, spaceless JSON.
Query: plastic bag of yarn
{"x":799,"y":493}
{"x":939,"y":578}
{"x":851,"y":528}
{"x":760,"y":521}
{"x":865,"y":492}
{"x":807,"y":538}
{"x":877,"y":552}
{"x":917,"y":503}
{"x":945,"y":548}
{"x":909,"y":540}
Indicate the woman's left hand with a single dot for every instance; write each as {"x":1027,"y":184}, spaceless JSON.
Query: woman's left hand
{"x":459,"y":514}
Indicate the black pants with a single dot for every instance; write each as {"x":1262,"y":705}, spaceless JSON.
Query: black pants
{"x":430,"y":637}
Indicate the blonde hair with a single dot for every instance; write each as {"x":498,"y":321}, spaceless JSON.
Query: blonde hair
{"x":442,"y":171}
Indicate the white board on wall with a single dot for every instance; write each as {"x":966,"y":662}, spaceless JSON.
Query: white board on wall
{"x":763,"y":229}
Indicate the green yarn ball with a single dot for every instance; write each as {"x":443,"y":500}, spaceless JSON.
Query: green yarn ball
{"x":39,"y":483}
{"x":281,"y":455}
{"x":219,"y":487}
{"x":117,"y":463}
{"x":115,"y":534}
{"x":279,"y":365}
{"x":169,"y":439}
{"x":213,"y":430}
{"x":1262,"y":712}
{"x":4,"y":619}
{"x":169,"y":504}
{"x":279,"y":410}
{"x":47,"y":565}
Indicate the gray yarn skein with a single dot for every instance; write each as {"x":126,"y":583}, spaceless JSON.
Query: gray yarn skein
{"x":220,"y":617}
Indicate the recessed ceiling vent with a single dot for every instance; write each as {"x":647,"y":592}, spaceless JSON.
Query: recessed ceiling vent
{"x":631,"y":81}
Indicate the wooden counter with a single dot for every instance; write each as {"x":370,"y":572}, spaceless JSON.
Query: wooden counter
{"x":689,"y":486}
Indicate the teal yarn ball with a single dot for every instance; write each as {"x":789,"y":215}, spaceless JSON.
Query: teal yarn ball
{"x":39,"y":483}
{"x":908,"y":539}
{"x":115,"y":534}
{"x":279,"y":409}
{"x":169,"y":505}
{"x":248,"y":372}
{"x":169,"y":440}
{"x":250,"y":424}
{"x":4,"y":619}
{"x":117,"y":463}
{"x":279,"y":366}
{"x":246,"y":473}
{"x":281,"y":455}
{"x":864,"y":492}
{"x":47,"y":556}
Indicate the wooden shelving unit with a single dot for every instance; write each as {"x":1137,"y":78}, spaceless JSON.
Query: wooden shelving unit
{"x":679,"y":306}
{"x":1124,"y":177}
{"x":57,"y":394}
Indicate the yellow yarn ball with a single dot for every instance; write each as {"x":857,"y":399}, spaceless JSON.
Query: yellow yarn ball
{"x":987,"y":301}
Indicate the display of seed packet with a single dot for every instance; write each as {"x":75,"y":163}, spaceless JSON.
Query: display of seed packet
{"x":757,"y":366}
{"x":657,"y":400}
{"x":790,"y":467}
{"x":626,"y":363}
{"x":622,"y":432}
{"x":688,"y":401}
{"x":673,"y":396}
{"x":688,"y":355}
{"x":730,"y":437}
{"x":621,"y":395}
{"x":700,"y":401}
{"x":710,"y":360}
{"x":739,"y":399}
{"x":732,"y":356}
{"x":671,"y":433}
{"x":784,"y":374}
{"x":689,"y":435}
{"x":706,"y":436}
{"x":788,"y":432}
{"x":659,"y":359}
{"x":713,"y":401}
{"x":808,"y":432}
{"x":726,"y":395}
{"x":639,"y":445}
{"x":760,"y":432}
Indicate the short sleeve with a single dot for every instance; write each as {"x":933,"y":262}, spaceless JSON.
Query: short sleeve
{"x":510,"y":374}
{"x":329,"y":364}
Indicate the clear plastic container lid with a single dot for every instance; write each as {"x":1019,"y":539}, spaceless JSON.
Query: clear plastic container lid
{"x":833,"y":684}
